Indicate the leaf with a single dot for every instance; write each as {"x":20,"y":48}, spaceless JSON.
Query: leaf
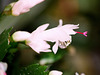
{"x":4,"y":43}
{"x":34,"y":69}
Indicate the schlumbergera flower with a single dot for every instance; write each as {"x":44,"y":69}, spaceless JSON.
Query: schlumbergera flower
{"x":23,"y":6}
{"x":55,"y":72}
{"x":3,"y":68}
{"x":37,"y":40}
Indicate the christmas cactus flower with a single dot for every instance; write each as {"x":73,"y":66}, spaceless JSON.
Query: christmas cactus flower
{"x":55,"y":72}
{"x":23,"y":6}
{"x":3,"y":68}
{"x":37,"y":40}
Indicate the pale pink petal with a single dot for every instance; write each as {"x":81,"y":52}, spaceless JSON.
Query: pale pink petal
{"x":69,"y":28}
{"x":25,"y":10}
{"x":46,"y":50}
{"x":23,"y":6}
{"x":55,"y":47}
{"x":34,"y":2}
{"x":17,"y":8}
{"x":3,"y":66}
{"x":53,"y":35}
{"x":40,"y":29}
{"x":39,"y":46}
{"x":20,"y":36}
{"x":60,"y":23}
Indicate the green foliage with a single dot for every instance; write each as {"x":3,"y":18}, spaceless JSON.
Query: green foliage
{"x":11,"y":51}
{"x":4,"y":43}
{"x":34,"y":69}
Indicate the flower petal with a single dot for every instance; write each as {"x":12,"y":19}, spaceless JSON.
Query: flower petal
{"x":40,"y":29}
{"x":60,"y":23}
{"x":68,"y":28}
{"x":23,"y":6}
{"x":3,"y":66}
{"x":38,"y":45}
{"x":17,"y":8}
{"x":20,"y":36}
{"x":55,"y":47}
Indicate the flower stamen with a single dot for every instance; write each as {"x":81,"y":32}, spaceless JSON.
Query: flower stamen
{"x":63,"y":44}
{"x":84,"y":33}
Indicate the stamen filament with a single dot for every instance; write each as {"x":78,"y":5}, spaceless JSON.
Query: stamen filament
{"x":84,"y":33}
{"x":79,"y":32}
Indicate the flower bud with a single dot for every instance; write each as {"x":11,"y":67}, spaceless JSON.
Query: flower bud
{"x":20,"y":36}
{"x":23,"y":6}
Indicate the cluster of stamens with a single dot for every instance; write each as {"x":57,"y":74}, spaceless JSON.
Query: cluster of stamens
{"x":64,"y":44}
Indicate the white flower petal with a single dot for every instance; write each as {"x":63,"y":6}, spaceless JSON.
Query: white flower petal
{"x":40,"y":29}
{"x":60,"y":23}
{"x":55,"y":47}
{"x":55,"y":72}
{"x":68,"y":28}
{"x":3,"y":66}
{"x":53,"y":35}
{"x":58,"y":33}
{"x":38,"y":45}
{"x":43,"y":27}
{"x":46,"y":50}
{"x":23,"y":6}
{"x":20,"y":36}
{"x":17,"y":8}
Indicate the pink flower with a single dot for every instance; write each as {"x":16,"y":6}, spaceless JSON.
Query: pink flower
{"x":23,"y":6}
{"x":3,"y":68}
{"x":61,"y":35}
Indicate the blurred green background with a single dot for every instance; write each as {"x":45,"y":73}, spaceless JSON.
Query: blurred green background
{"x":83,"y":54}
